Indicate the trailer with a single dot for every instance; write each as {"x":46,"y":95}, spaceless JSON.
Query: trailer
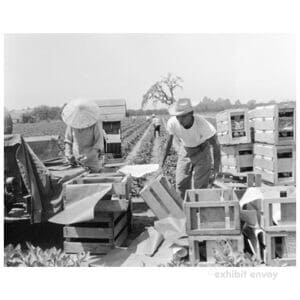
{"x":111,"y":114}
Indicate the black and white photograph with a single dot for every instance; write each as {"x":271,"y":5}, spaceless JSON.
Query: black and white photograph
{"x":146,"y":150}
{"x":149,"y":149}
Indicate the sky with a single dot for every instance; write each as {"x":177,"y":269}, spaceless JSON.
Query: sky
{"x":52,"y":69}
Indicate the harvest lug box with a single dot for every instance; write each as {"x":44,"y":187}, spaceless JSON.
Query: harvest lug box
{"x":274,"y":124}
{"x":276,"y":164}
{"x":233,"y":127}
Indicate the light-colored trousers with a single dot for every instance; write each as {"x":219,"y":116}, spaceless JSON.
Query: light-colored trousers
{"x":193,"y":166}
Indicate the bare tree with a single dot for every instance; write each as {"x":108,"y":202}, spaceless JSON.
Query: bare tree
{"x":163,"y":90}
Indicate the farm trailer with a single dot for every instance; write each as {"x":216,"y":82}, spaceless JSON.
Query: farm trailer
{"x":111,"y":113}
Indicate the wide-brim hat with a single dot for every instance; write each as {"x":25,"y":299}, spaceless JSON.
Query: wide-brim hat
{"x":181,"y":107}
{"x":81,"y":113}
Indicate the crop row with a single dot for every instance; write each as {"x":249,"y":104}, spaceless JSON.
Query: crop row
{"x":143,"y":156}
{"x":130,"y":141}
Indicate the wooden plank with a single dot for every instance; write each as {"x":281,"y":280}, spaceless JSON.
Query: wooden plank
{"x":122,"y":237}
{"x":166,"y":198}
{"x":116,"y":205}
{"x":153,"y":204}
{"x":120,"y":225}
{"x":87,"y":232}
{"x":93,"y":248}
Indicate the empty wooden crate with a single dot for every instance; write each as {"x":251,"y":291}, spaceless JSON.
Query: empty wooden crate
{"x":233,"y":127}
{"x":275,"y":124}
{"x":202,"y":249}
{"x":162,"y":198}
{"x":212,"y":212}
{"x":279,"y":214}
{"x":83,"y":185}
{"x":237,"y":158}
{"x":99,"y":236}
{"x":276,"y":164}
{"x":280,"y":248}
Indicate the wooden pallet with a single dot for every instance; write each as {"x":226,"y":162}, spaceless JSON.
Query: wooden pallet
{"x":201,"y":248}
{"x":162,"y":198}
{"x":211,"y":212}
{"x":276,"y":164}
{"x":237,"y":159}
{"x":233,"y":127}
{"x":275,"y":124}
{"x":279,"y":214}
{"x":280,"y":248}
{"x":99,"y":236}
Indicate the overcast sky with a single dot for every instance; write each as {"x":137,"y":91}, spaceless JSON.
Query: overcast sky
{"x":52,"y":69}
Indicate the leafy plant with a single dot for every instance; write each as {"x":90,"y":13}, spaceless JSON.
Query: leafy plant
{"x":227,"y":257}
{"x":36,"y":257}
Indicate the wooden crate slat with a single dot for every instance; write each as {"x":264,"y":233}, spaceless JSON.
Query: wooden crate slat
{"x":120,"y":225}
{"x":88,"y":232}
{"x":122,"y":237}
{"x":93,"y":248}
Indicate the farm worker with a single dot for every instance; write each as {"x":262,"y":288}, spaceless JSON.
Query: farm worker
{"x":156,"y":124}
{"x":196,"y":135}
{"x":8,"y":123}
{"x":84,"y":133}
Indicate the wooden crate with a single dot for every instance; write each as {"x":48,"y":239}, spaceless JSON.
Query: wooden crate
{"x":279,"y":214}
{"x":237,"y":158}
{"x":233,"y":127}
{"x":201,"y":248}
{"x":276,"y":164}
{"x":162,"y":198}
{"x":275,"y":124}
{"x":99,"y":236}
{"x":82,"y":185}
{"x":280,"y":248}
{"x":211,"y":212}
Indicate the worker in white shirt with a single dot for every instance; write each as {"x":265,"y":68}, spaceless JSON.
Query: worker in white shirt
{"x":196,"y":135}
{"x":156,"y":125}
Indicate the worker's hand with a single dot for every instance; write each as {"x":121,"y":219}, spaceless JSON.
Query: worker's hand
{"x":71,"y":159}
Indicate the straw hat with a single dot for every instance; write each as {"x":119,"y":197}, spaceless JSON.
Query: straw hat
{"x":80,"y":113}
{"x":181,"y":107}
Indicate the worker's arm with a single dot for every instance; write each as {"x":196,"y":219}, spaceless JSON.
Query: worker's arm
{"x":166,"y":150}
{"x":69,"y":145}
{"x":217,"y":153}
{"x":98,"y":138}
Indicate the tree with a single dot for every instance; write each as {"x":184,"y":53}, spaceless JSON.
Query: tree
{"x":163,"y":90}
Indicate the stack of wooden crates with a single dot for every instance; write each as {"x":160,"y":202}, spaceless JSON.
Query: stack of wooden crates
{"x":108,"y":228}
{"x":275,"y":148}
{"x":235,"y":138}
{"x":279,"y":224}
{"x":212,"y":216}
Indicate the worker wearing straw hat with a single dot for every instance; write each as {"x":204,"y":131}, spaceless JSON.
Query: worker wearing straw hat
{"x":196,"y":135}
{"x":84,"y":134}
